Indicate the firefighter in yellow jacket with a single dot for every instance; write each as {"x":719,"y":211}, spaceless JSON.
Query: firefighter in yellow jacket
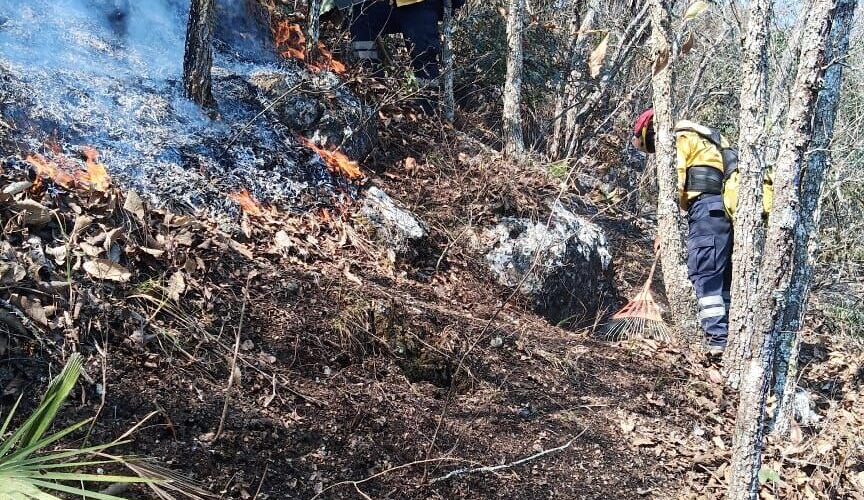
{"x":700,"y":168}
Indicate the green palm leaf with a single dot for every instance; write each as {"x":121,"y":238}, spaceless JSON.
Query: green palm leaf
{"x":28,"y":471}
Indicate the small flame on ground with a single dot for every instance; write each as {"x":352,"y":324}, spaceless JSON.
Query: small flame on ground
{"x":247,"y":203}
{"x":336,"y":161}
{"x":97,"y":175}
{"x":64,"y":173}
{"x":291,"y":44}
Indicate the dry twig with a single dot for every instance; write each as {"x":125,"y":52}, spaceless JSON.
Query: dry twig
{"x":231,"y":376}
{"x":493,"y":468}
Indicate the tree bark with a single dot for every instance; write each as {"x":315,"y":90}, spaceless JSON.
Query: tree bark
{"x":576,"y":117}
{"x":514,"y":144}
{"x":812,"y":181}
{"x":313,"y":31}
{"x":573,"y":73}
{"x":748,"y":228}
{"x":775,"y":272}
{"x":447,"y":56}
{"x":679,"y":291}
{"x":785,"y":76}
{"x":198,"y":57}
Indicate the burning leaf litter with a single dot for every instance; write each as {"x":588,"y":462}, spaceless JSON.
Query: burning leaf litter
{"x":336,"y":161}
{"x":68,"y":173}
{"x":291,"y":44}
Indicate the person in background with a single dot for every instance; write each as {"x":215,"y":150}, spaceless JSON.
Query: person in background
{"x":416,"y":20}
{"x":700,"y":169}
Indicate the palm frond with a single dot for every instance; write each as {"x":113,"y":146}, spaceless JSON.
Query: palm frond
{"x":29,"y":471}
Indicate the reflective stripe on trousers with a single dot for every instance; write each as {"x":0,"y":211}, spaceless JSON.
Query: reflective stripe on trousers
{"x":709,"y":263}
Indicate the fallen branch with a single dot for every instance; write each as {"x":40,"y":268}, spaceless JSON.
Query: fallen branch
{"x":493,"y":468}
{"x":386,"y":471}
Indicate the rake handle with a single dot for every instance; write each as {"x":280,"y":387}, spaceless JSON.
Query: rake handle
{"x":647,"y":284}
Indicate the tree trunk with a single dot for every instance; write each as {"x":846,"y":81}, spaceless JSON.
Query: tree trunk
{"x":786,"y":331}
{"x":679,"y":291}
{"x":447,"y":56}
{"x":573,"y":75}
{"x":576,"y":118}
{"x":313,"y":31}
{"x":198,"y":58}
{"x":785,"y":77}
{"x":748,"y":228}
{"x":513,"y":142}
{"x":776,"y":269}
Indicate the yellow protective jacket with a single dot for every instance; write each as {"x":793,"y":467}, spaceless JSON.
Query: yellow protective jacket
{"x":693,"y":149}
{"x":403,"y":3}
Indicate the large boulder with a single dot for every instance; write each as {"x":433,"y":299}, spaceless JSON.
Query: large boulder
{"x":565,"y":268}
{"x":395,"y":227}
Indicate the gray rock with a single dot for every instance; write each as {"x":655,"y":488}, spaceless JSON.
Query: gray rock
{"x":572,"y":279}
{"x":394,"y":225}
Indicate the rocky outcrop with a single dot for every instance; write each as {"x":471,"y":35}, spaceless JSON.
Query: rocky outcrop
{"x":394,"y":226}
{"x":572,"y":278}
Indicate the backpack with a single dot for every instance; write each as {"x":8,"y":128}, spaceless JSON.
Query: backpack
{"x":731,"y":176}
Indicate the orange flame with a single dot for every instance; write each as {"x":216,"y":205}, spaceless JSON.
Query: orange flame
{"x":336,"y":161}
{"x":247,"y":203}
{"x":46,"y":169}
{"x":96,"y":176}
{"x":60,"y":171}
{"x":291,"y":44}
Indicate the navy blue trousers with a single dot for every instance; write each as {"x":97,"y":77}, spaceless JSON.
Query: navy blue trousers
{"x":709,"y":264}
{"x":417,"y":22}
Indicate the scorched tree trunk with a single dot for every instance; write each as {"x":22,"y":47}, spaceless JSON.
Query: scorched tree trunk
{"x":198,"y":57}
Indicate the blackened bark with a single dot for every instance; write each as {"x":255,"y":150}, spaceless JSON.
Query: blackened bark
{"x":198,"y":57}
{"x":748,"y":227}
{"x":514,"y":144}
{"x":813,"y":178}
{"x":775,"y":272}
{"x":679,"y":291}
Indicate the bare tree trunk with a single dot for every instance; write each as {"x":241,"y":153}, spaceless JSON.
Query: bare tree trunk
{"x":574,"y":32}
{"x":447,"y":56}
{"x":514,"y":144}
{"x":679,"y":291}
{"x":748,"y":228}
{"x":813,"y":178}
{"x":574,"y":74}
{"x":776,"y":270}
{"x":576,"y":118}
{"x":783,"y":81}
{"x":198,"y":58}
{"x":313,"y":31}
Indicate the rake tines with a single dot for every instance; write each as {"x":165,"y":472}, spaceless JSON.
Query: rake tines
{"x":640,"y":318}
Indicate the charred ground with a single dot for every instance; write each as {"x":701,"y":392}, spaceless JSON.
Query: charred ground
{"x":363,"y":377}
